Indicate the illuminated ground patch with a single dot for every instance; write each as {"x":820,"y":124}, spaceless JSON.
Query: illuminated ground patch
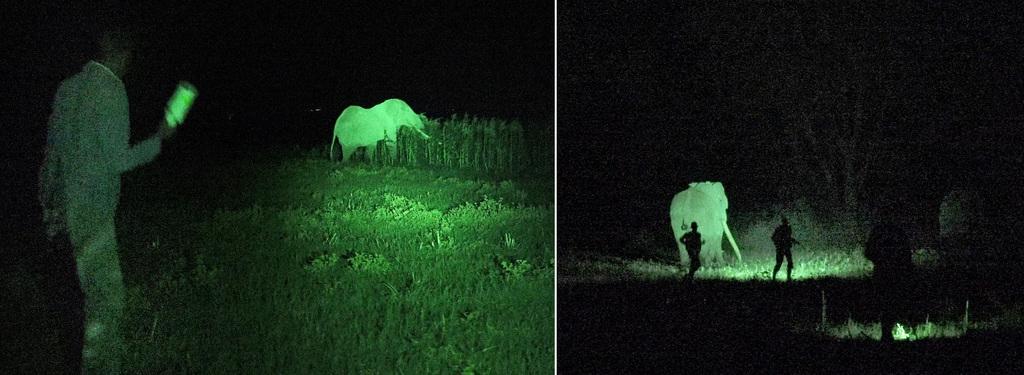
{"x":851,"y":330}
{"x":807,"y":265}
{"x":301,"y":265}
{"x":813,"y":264}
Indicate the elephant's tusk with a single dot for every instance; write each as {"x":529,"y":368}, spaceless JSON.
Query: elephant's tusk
{"x":425,"y":136}
{"x":732,"y":241}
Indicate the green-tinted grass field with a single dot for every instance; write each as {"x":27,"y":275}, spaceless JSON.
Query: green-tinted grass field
{"x":809,"y":264}
{"x":293,"y":264}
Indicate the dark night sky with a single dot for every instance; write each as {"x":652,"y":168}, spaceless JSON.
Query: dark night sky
{"x":653,"y":97}
{"x":441,"y":57}
{"x":269,"y":62}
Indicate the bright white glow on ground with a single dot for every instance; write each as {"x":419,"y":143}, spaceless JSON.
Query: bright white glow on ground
{"x":808,"y":264}
{"x":905,"y":331}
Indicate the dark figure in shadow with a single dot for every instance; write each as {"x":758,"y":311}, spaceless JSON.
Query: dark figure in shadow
{"x":692,"y":241}
{"x":783,"y":239}
{"x":889,"y":250}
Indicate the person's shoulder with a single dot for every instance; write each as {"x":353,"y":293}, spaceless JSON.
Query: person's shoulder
{"x":72,"y":87}
{"x":78,"y":78}
{"x":97,"y":73}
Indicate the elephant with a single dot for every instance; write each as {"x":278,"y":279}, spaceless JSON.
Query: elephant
{"x":704,"y":203}
{"x":360,"y":127}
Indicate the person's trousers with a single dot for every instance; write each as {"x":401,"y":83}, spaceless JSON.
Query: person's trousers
{"x":780,"y":255}
{"x":99,"y":272}
{"x":66,"y":303}
{"x":694,"y":260}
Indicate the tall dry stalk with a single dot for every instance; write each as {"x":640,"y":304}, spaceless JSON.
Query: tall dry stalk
{"x":486,"y":145}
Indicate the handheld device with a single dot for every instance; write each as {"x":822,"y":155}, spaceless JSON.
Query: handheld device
{"x":179,"y":104}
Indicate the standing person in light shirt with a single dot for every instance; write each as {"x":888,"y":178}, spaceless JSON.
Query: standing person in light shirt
{"x":80,"y":182}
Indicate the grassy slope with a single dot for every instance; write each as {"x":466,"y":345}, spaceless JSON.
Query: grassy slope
{"x":298,"y":265}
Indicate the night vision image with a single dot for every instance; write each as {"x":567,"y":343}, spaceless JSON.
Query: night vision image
{"x":790,"y":187}
{"x":280,"y":188}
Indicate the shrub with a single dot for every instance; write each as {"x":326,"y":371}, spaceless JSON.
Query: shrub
{"x":372,"y":263}
{"x":515,"y":270}
{"x":322,"y":263}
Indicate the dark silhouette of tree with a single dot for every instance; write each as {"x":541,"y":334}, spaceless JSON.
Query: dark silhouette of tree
{"x":831,"y":78}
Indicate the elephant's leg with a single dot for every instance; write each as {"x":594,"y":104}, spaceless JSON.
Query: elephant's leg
{"x":346,"y":151}
{"x":392,"y":148}
{"x":334,"y":154}
{"x":682,"y":256}
{"x":714,"y":242}
{"x":717,"y":257}
{"x":371,"y":152}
